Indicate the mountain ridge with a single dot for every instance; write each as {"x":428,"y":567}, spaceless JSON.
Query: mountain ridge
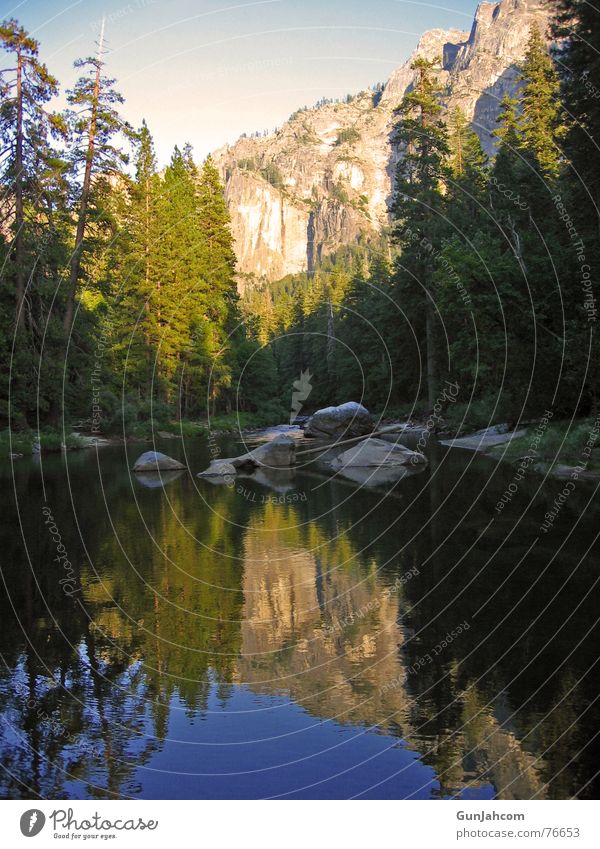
{"x":325,"y":178}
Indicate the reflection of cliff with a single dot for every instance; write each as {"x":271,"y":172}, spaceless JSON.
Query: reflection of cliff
{"x":322,"y":626}
{"x":495,"y":754}
{"x":324,"y":632}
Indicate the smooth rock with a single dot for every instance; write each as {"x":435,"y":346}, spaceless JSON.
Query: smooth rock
{"x":153,"y":461}
{"x":91,"y":441}
{"x":219,"y":469}
{"x":278,"y":233}
{"x":346,"y":420}
{"x":278,"y":453}
{"x":486,"y":438}
{"x":378,"y":453}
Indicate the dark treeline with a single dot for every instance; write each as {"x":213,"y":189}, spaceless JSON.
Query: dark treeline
{"x":488,"y":279}
{"x":118,"y":300}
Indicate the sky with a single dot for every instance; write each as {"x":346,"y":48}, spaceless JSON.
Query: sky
{"x":206,"y":71}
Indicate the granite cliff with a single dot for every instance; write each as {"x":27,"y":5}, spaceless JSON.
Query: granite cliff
{"x":324,"y":179}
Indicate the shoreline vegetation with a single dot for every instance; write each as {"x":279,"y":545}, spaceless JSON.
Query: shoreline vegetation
{"x":558,"y":448}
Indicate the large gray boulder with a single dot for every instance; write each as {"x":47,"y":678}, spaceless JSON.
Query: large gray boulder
{"x":346,"y":420}
{"x":377,"y":453}
{"x":277,"y":454}
{"x":154,"y":461}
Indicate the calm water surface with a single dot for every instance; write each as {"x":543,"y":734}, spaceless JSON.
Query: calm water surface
{"x":295,"y":635}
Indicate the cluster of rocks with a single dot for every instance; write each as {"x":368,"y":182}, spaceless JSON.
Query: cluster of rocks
{"x":340,"y":425}
{"x":376,"y":452}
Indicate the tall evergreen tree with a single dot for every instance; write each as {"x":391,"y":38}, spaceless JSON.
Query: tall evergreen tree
{"x":94,"y":122}
{"x":132,"y":274}
{"x":541,"y":112}
{"x":25,"y":124}
{"x":422,"y":137}
{"x":578,"y":59}
{"x":576,"y":25}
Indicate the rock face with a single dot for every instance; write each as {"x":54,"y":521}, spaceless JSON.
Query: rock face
{"x":325,"y":178}
{"x":345,"y":421}
{"x":276,"y":454}
{"x":154,"y":461}
{"x":379,"y":453}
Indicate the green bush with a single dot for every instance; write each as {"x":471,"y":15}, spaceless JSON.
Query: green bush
{"x":339,"y":193}
{"x":561,"y":443}
{"x":272,"y":175}
{"x":158,"y":413}
{"x":466,"y":418}
{"x":50,"y":440}
{"x":349,"y":135}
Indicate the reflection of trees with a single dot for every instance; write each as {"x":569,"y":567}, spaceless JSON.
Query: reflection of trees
{"x":179,"y":598}
{"x":303,"y":605}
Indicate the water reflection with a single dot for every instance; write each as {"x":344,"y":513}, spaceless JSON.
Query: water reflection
{"x":300,"y":610}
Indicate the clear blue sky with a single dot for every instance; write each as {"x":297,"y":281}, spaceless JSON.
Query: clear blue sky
{"x":205,"y":71}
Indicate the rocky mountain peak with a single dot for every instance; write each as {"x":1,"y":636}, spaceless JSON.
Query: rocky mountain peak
{"x":325,"y":178}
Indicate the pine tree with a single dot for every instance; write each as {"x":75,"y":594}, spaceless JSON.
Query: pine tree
{"x":467,"y":158}
{"x":420,"y":175}
{"x":541,"y":112}
{"x":94,"y":123}
{"x":578,"y":60}
{"x":221,"y":306}
{"x":576,"y":25}
{"x":467,"y":180}
{"x":29,"y":165}
{"x":215,"y":225}
{"x":132,"y":273}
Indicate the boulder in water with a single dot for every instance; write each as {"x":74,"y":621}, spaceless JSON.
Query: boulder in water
{"x":346,"y":420}
{"x":221,"y":469}
{"x":279,"y":453}
{"x":378,"y":453}
{"x":154,"y":461}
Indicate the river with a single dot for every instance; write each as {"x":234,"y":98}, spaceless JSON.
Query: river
{"x":295,"y":636}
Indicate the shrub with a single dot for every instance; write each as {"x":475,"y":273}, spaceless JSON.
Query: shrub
{"x":465,"y":418}
{"x":349,"y":135}
{"x":272,"y":175}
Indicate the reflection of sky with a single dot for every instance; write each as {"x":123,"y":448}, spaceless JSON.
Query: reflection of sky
{"x":271,"y":747}
{"x":206,"y":72}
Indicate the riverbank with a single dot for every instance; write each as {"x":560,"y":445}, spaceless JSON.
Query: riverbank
{"x":20,"y":443}
{"x":562,"y":449}
{"x":559,"y":448}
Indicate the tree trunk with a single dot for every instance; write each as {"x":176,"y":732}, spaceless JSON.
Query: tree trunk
{"x":19,"y":214}
{"x":85,"y":194}
{"x":432,"y":384}
{"x":331,"y":370}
